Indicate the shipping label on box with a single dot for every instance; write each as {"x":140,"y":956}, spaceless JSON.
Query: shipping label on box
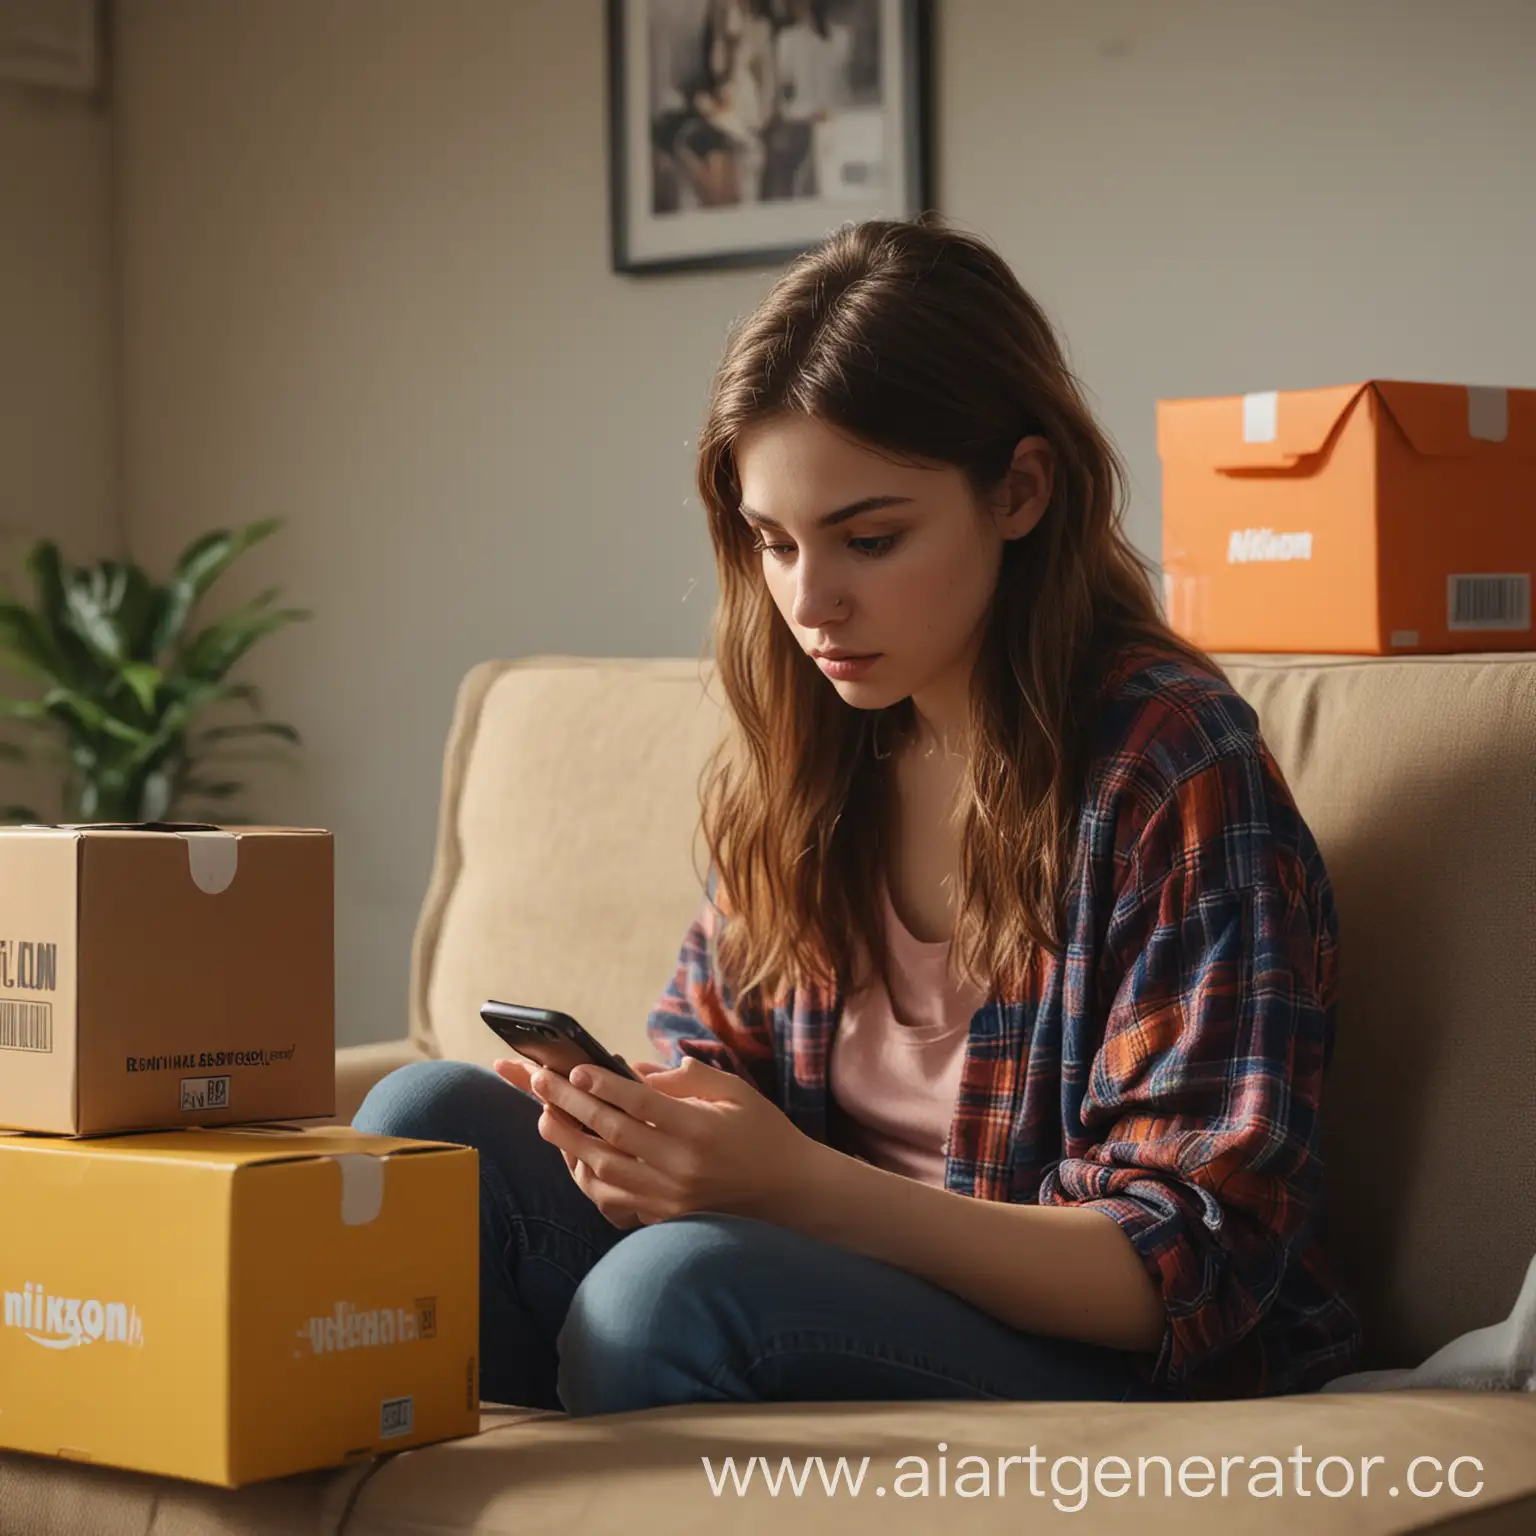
{"x":232,"y":1305}
{"x":153,"y":978}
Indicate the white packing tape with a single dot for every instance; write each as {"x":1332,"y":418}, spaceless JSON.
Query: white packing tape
{"x":362,"y":1187}
{"x":1261,"y":416}
{"x":213,"y":858}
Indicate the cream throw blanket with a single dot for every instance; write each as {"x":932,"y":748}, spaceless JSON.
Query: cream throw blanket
{"x":1500,"y":1358}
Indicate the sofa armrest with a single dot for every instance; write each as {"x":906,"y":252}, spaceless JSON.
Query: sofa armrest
{"x":359,"y":1067}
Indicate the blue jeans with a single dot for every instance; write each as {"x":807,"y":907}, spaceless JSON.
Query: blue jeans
{"x":578,"y":1314}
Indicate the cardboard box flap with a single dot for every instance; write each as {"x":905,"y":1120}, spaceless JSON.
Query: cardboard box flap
{"x":1293,"y":429}
{"x":234,"y":1147}
{"x":1458,"y":420}
{"x":1274,"y":429}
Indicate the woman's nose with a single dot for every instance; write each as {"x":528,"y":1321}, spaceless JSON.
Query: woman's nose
{"x":816,"y":604}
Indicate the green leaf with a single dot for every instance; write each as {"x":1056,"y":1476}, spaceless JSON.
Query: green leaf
{"x":17,"y":815}
{"x":66,"y":704}
{"x":87,"y":614}
{"x":200,"y":565}
{"x":145,"y":680}
{"x":69,"y":660}
{"x":138,"y":614}
{"x":262,"y":728}
{"x":218,"y":648}
{"x":112,"y":608}
{"x":27,"y":710}
{"x":163,"y":742}
{"x":27,"y":646}
{"x":200,"y":692}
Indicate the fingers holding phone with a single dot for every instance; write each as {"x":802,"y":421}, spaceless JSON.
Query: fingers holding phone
{"x":519,"y":1071}
{"x":516,"y":1071}
{"x":558,"y":1127}
{"x":616,"y":1208}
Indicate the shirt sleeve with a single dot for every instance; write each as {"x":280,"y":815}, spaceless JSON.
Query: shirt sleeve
{"x":1203,"y":1097}
{"x":698,"y":1016}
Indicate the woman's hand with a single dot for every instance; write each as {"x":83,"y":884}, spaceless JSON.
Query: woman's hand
{"x":686,"y":1138}
{"x":520,"y":1074}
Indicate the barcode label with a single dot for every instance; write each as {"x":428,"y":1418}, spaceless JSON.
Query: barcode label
{"x":25,"y":1026}
{"x":1491,"y":602}
{"x":204,"y":1093}
{"x":397,"y":1416}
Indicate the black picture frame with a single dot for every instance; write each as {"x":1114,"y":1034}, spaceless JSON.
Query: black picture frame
{"x":636,"y":248}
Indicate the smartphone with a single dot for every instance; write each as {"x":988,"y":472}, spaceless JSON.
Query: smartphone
{"x":554,"y":1040}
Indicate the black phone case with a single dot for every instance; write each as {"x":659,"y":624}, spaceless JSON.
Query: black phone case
{"x":553,"y":1039}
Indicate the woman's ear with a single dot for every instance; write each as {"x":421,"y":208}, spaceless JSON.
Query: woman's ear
{"x":1026,"y":489}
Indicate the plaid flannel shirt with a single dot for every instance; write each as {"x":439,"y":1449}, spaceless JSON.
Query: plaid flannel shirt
{"x":1167,"y":1069}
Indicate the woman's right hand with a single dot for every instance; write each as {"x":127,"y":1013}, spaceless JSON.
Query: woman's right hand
{"x":520,"y":1074}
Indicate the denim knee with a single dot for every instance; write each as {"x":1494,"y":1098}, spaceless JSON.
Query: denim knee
{"x":432,"y":1101}
{"x":652,"y":1319}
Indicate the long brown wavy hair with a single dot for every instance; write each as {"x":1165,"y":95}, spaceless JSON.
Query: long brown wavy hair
{"x":918,"y":340}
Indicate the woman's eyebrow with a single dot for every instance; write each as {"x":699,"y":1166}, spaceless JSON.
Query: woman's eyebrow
{"x":830,"y":519}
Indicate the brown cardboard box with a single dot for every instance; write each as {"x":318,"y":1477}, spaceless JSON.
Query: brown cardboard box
{"x":154,"y":979}
{"x":1380,"y":518}
{"x":234,"y":1305}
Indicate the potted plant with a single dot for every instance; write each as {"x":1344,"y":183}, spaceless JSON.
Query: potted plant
{"x":125,"y":676}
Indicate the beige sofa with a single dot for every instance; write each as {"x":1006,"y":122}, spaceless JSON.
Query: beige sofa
{"x":567,"y":871}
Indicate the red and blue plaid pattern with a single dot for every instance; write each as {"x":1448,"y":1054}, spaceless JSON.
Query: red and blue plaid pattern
{"x":1167,"y":1068}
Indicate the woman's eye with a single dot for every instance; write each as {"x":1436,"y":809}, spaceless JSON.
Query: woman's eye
{"x":872,"y":547}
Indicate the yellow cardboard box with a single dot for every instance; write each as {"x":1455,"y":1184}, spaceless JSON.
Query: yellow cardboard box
{"x":165,"y":975}
{"x":232,"y":1305}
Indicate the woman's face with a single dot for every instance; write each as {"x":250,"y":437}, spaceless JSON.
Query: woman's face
{"x":907,"y":572}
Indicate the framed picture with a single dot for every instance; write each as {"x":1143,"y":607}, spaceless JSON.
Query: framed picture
{"x":743,"y":131}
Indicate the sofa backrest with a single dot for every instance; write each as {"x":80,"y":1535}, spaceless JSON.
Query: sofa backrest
{"x":569,"y":864}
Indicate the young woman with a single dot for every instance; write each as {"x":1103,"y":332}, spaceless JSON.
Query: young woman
{"x":993,"y":1059}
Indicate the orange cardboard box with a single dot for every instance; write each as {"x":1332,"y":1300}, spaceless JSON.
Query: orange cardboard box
{"x":233,"y":1305}
{"x":159,"y":978}
{"x":1381,"y":518}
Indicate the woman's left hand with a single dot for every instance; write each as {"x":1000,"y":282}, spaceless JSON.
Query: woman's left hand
{"x":689,"y":1138}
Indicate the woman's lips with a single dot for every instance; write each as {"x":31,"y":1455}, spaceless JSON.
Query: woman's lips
{"x":845,"y":667}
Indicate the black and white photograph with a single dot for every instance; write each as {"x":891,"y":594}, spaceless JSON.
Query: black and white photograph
{"x":744,"y":130}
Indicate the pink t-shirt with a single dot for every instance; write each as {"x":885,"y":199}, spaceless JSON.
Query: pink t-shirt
{"x":894,"y":1072}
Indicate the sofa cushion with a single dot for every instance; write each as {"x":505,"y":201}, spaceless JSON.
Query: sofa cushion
{"x":565,"y":874}
{"x":43,"y":1497}
{"x":622,"y":1474}
{"x":569,"y":864}
{"x":1418,"y":777}
{"x":537,"y":1473}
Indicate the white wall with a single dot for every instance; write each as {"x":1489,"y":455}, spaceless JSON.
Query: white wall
{"x":58,"y":422}
{"x":365,"y":286}
{"x":1214,"y":196}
